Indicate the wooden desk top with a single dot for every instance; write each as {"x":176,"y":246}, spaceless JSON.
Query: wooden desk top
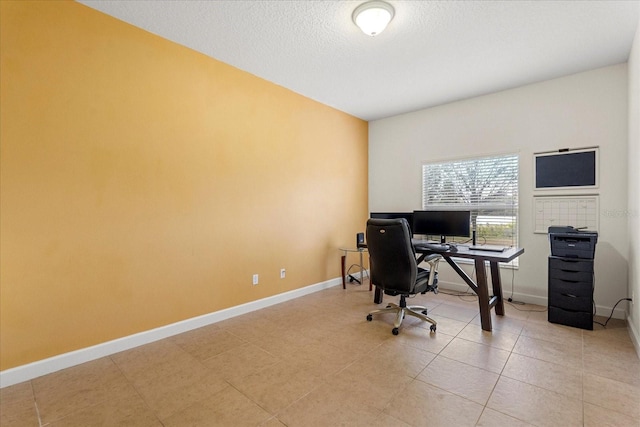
{"x":463,"y":251}
{"x":507,"y":255}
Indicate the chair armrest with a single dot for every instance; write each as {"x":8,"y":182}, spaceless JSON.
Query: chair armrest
{"x":433,"y":260}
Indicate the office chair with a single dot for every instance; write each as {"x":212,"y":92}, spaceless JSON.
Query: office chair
{"x":394,"y":269}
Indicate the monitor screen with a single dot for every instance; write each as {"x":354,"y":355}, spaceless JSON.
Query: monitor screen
{"x":442,"y":223}
{"x":394,"y":215}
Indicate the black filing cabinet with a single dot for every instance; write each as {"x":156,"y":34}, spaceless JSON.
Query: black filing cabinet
{"x":571,"y":276}
{"x":571,"y":291}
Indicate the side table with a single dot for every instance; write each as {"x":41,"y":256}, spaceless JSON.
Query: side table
{"x":343,"y":260}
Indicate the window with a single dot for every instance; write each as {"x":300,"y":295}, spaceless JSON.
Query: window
{"x":487,"y":186}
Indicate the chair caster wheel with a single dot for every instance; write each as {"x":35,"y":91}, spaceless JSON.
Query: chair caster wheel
{"x":395,"y":331}
{"x":433,"y":328}
{"x":369,"y":318}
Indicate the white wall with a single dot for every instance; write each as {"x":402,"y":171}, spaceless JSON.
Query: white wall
{"x":581,"y":110}
{"x":634,"y":189}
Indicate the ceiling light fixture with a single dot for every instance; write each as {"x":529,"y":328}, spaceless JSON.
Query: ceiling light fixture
{"x":373,"y":17}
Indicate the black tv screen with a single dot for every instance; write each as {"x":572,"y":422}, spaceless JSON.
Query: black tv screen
{"x":571,"y":169}
{"x":394,"y":215}
{"x":442,"y":223}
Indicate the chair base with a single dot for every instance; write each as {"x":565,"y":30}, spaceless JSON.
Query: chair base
{"x":413,"y":310}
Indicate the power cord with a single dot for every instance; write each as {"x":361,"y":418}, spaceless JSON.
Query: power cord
{"x":351,"y":276}
{"x":461,"y":295}
{"x":513,"y":279}
{"x":513,"y":304}
{"x":604,"y":325}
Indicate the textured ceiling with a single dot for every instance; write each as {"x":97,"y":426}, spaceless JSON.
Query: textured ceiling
{"x":433,"y":52}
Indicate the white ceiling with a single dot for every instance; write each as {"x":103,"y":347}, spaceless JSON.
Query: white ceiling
{"x":432,"y":52}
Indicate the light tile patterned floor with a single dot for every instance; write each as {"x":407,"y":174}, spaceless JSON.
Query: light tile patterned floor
{"x":316,"y":361}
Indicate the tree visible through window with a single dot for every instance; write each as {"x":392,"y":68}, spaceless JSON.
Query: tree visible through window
{"x":486,"y":186}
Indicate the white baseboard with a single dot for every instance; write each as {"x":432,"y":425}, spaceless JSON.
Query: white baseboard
{"x":635,"y":335}
{"x":46,"y":366}
{"x":618,"y":313}
{"x":529,"y":299}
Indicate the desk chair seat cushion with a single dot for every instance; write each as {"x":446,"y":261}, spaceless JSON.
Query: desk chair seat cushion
{"x":422,"y":284}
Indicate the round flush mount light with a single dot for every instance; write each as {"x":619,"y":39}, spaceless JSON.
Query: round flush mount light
{"x":373,"y":17}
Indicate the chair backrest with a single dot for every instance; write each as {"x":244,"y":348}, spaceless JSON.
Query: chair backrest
{"x":391,"y":254}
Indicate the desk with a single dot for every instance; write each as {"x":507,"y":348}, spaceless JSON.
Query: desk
{"x":480,"y":287}
{"x":343,"y":260}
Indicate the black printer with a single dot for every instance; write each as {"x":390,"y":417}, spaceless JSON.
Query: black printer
{"x":569,"y":242}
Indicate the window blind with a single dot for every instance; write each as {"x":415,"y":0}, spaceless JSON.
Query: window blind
{"x":487,"y":186}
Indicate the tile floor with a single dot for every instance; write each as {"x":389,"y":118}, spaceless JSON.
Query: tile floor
{"x":316,"y":361}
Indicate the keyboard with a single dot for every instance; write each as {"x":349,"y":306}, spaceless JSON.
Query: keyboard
{"x":488,"y":248}
{"x":435,"y":247}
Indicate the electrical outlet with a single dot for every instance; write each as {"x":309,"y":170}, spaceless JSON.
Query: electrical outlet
{"x":283,"y":273}
{"x":255,"y":279}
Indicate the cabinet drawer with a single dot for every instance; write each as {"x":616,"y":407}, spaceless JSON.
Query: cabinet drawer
{"x":570,"y":275}
{"x":570,"y":302}
{"x":580,"y":289}
{"x":566,"y":264}
{"x":577,"y":319}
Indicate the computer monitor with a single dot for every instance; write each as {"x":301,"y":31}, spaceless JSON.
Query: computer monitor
{"x":394,"y":215}
{"x":442,"y":223}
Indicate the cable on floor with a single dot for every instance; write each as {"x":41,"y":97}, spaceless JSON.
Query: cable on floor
{"x":365,"y":274}
{"x":604,"y":325}
{"x":510,"y":299}
{"x":514,"y":303}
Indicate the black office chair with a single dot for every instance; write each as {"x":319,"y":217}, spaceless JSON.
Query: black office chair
{"x":394,"y":269}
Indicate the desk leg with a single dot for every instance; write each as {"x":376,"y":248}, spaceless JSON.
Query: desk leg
{"x":483,"y":295}
{"x":370,"y":281}
{"x":361,"y":269}
{"x":497,"y":288}
{"x":377,"y":296}
{"x":343,"y":260}
{"x":362,"y":272}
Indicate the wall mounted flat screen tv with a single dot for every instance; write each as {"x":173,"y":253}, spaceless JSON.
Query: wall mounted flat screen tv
{"x":566,"y":169}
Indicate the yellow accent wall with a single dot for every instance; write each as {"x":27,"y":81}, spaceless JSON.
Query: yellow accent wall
{"x":143,"y":183}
